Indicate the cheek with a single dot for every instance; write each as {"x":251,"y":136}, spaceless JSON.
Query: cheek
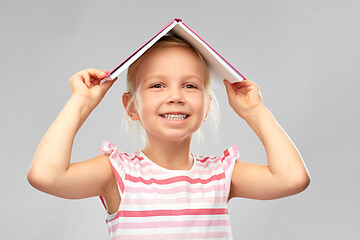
{"x":199,"y":104}
{"x":147,"y":103}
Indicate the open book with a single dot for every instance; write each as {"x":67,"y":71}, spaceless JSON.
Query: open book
{"x":218,"y":66}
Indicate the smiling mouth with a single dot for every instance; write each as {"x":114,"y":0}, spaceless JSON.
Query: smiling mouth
{"x":175,"y":117}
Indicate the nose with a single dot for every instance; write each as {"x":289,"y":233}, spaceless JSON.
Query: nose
{"x":175,"y":96}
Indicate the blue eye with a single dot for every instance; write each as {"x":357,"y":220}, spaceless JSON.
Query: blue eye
{"x":157,"y":85}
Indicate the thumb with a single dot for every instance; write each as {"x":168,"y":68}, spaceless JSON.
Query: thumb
{"x":229,"y":89}
{"x":107,"y":85}
{"x":99,"y":91}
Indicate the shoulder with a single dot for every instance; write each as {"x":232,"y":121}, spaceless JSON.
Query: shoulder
{"x":99,"y":164}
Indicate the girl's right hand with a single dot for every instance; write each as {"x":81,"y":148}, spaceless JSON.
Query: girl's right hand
{"x":85,"y":85}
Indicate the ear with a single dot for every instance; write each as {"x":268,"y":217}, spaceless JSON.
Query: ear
{"x":130,"y":109}
{"x":208,"y":106}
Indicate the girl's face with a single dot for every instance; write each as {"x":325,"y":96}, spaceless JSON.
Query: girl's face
{"x":170,"y":100}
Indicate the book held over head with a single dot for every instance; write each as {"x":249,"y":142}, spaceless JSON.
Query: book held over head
{"x":219,"y":67}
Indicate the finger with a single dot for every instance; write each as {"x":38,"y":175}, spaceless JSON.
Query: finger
{"x":234,"y":86}
{"x":101,"y":75}
{"x":98,"y":81}
{"x":247,"y":83}
{"x":96,"y":73}
{"x":85,"y":77}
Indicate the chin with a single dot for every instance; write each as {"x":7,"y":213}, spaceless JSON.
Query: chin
{"x":173,"y":137}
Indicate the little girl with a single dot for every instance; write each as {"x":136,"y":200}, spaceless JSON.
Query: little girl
{"x":164,"y":191}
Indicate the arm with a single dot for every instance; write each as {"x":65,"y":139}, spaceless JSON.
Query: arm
{"x":285,"y":174}
{"x":51,"y":171}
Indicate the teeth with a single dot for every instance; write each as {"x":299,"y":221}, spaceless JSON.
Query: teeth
{"x":174,"y":116}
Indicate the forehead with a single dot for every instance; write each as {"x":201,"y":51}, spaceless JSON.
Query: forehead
{"x":171,"y":61}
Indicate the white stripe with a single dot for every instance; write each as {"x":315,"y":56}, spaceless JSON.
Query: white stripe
{"x":168,"y":230}
{"x":174,"y":195}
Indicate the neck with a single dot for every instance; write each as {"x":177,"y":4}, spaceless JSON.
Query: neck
{"x":172,"y":155}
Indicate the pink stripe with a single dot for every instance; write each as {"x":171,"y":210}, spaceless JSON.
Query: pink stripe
{"x":133,"y":158}
{"x":152,"y":213}
{"x":174,"y":236}
{"x":207,"y":163}
{"x":176,"y":201}
{"x":225,"y":155}
{"x":131,"y":189}
{"x":169,"y":224}
{"x":207,"y":158}
{"x":174,"y":179}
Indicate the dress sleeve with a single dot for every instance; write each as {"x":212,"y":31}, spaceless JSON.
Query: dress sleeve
{"x":229,"y":157}
{"x":117,"y":164}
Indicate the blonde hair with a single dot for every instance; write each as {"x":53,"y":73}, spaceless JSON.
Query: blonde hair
{"x":171,"y":42}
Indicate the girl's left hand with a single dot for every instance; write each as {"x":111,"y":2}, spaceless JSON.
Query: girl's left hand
{"x":243,"y":96}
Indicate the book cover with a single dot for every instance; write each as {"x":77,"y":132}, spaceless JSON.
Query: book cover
{"x":219,"y":67}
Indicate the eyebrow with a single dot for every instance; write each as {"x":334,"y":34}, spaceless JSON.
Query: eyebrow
{"x":160,"y":76}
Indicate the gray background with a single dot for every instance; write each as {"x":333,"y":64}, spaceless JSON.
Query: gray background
{"x":304,"y":55}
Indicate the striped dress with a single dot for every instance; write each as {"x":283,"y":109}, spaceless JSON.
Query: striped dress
{"x":157,"y":203}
